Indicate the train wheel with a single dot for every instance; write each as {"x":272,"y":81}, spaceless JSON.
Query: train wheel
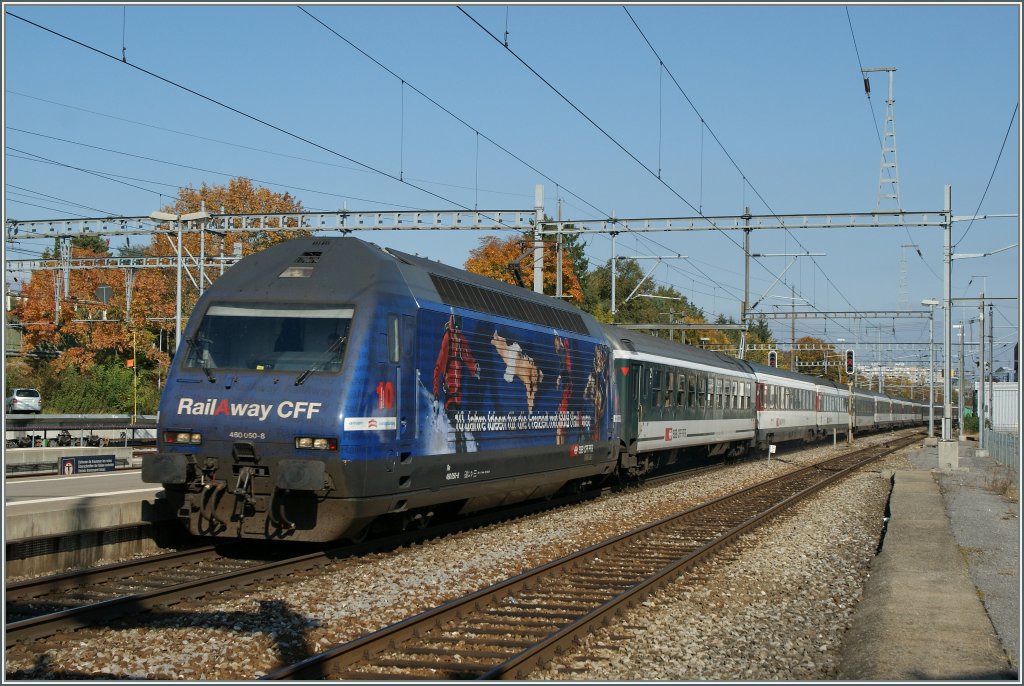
{"x":361,"y":535}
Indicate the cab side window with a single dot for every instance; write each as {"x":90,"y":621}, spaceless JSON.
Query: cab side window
{"x":394,"y":340}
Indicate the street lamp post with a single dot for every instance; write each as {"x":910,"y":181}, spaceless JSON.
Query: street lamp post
{"x":931,"y":303}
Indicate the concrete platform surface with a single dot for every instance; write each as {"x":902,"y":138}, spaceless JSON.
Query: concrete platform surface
{"x":922,"y":616}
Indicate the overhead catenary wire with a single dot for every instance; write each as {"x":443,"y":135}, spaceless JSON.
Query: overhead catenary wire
{"x":256,"y":149}
{"x":251,"y":117}
{"x":245,"y":114}
{"x":610,"y":138}
{"x":447,"y":110}
{"x":469,"y":126}
{"x":745,"y":180}
{"x":205,"y":171}
{"x":992,"y":175}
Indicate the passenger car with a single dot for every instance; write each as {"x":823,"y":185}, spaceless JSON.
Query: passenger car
{"x":23,"y":400}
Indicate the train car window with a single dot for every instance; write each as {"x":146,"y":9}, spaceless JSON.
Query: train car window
{"x":670,"y":386}
{"x":692,"y":383}
{"x":718,"y":393}
{"x":681,"y":389}
{"x":394,"y":340}
{"x":702,"y":398}
{"x":266,"y":336}
{"x":656,"y":387}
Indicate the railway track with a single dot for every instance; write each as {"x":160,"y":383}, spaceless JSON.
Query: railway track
{"x":37,"y":608}
{"x":506,"y":630}
{"x":41,"y":607}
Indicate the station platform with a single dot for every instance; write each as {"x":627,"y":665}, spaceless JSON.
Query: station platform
{"x":56,"y":522}
{"x":933,"y":609}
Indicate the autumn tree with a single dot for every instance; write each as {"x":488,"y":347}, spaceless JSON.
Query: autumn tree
{"x":511,"y":260}
{"x":239,"y":196}
{"x":74,"y":339}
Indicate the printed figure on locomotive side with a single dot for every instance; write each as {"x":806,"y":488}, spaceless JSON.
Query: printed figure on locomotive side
{"x":498,"y":387}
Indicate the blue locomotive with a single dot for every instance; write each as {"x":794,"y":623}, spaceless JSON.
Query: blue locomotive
{"x":325,"y":383}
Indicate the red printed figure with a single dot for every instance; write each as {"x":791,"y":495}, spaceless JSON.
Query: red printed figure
{"x":564,"y":369}
{"x":454,"y":353}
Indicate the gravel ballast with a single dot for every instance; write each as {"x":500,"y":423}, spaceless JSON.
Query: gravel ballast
{"x":775,"y":607}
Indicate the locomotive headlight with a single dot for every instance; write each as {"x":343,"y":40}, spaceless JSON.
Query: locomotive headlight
{"x":182,"y":438}
{"x":310,"y":443}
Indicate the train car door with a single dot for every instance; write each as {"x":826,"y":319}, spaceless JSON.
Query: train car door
{"x":632,"y":401}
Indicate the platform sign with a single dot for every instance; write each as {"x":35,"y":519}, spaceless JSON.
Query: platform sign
{"x":87,"y":464}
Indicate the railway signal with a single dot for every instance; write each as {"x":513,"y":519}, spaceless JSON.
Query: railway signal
{"x":849,"y":362}
{"x":773,"y":358}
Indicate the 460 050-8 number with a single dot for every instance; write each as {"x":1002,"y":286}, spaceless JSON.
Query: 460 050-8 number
{"x":247,"y":434}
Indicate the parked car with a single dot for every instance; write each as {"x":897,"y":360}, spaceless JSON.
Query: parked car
{"x":23,"y":400}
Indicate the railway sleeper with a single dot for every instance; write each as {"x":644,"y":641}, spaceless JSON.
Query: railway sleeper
{"x":515,"y":611}
{"x":377,"y":676}
{"x":511,"y":624}
{"x":488,"y":631}
{"x":553,"y":608}
{"x":598,"y":580}
{"x":440,"y":665}
{"x":603,"y":588}
{"x":485,"y":654}
{"x":496,"y":642}
{"x":566,"y":600}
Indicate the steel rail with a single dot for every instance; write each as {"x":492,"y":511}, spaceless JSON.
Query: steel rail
{"x":31,"y":589}
{"x":72,"y":618}
{"x":106,"y":610}
{"x":526,"y":627}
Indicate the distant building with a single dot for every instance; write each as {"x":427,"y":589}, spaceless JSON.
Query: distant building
{"x":1005,"y":410}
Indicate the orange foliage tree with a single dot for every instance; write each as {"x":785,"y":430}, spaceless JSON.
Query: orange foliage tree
{"x":86,"y":332}
{"x":499,"y":258}
{"x":239,"y":196}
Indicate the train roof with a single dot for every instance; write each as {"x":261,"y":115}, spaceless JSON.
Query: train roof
{"x":350,"y":268}
{"x":635,"y":341}
{"x":310,"y":270}
{"x":438,"y":282}
{"x":787,"y":374}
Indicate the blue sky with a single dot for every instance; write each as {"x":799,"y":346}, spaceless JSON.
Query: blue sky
{"x":780,"y":87}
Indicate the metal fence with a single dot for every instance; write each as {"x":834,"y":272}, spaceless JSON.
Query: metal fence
{"x":1004,"y":448}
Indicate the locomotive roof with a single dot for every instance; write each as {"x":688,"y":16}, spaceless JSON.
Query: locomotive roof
{"x":335,"y":268}
{"x":438,"y":282}
{"x":325,"y":268}
{"x":636,"y":341}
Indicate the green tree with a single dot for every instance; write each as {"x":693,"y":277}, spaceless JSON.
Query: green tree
{"x":667,"y":306}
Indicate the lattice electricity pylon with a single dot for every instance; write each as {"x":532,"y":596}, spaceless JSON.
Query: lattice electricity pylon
{"x":888,"y":172}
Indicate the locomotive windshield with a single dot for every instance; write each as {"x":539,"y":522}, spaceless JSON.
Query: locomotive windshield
{"x":285,"y":337}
